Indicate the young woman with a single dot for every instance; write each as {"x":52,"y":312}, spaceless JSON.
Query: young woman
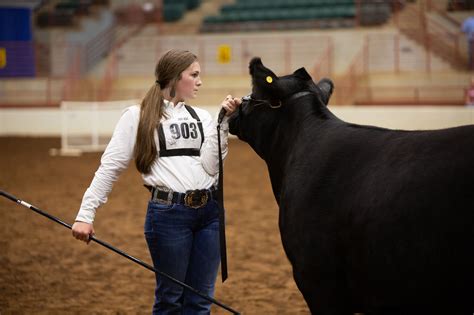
{"x":175,"y":149}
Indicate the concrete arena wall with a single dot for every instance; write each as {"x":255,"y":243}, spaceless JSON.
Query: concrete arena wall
{"x":46,"y":122}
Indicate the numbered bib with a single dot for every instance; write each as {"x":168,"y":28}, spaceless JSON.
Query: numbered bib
{"x":181,"y":136}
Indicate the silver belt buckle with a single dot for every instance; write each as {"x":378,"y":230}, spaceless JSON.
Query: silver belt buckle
{"x":169,"y":199}
{"x":195,"y":198}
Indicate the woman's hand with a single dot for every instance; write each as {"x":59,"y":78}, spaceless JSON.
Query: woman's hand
{"x":83,"y":231}
{"x":230,"y":104}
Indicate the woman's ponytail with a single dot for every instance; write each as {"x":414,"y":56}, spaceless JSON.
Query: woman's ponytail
{"x":151,"y":111}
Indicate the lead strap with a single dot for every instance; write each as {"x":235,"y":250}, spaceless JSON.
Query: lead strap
{"x":220,"y":202}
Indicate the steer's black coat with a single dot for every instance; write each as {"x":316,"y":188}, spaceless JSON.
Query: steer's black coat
{"x":372,"y":220}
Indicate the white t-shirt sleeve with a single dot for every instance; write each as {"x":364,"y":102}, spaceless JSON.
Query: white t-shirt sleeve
{"x":116,"y":157}
{"x":209,"y":149}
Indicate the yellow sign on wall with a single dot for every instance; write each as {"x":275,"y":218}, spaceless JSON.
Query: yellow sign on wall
{"x":3,"y":57}
{"x":224,"y":54}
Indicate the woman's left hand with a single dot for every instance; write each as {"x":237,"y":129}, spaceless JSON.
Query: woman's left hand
{"x":230,"y":104}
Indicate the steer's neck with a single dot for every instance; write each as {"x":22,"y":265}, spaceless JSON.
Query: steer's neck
{"x":296,"y":126}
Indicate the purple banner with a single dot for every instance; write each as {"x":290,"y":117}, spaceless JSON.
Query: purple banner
{"x":17,"y":59}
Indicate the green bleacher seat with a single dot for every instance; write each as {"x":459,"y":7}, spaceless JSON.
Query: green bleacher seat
{"x":233,"y":17}
{"x":192,"y":4}
{"x":212,"y":19}
{"x":173,"y":11}
{"x":78,"y":7}
{"x":345,"y":11}
{"x":285,"y":10}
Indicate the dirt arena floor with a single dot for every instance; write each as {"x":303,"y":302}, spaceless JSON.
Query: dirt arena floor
{"x":44,"y":270}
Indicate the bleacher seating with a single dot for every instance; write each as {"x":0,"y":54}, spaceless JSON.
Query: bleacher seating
{"x":309,"y":13}
{"x":375,"y":13}
{"x":173,"y":10}
{"x":65,"y":12}
{"x":283,"y":4}
{"x":77,"y":7}
{"x":244,"y":11}
{"x":55,"y":18}
{"x":456,"y":5}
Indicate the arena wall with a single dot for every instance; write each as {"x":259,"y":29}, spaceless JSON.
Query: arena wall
{"x":46,"y":122}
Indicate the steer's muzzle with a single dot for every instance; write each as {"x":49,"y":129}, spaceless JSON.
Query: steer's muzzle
{"x":235,"y":117}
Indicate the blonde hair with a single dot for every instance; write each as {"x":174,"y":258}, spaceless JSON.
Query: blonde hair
{"x":167,"y":72}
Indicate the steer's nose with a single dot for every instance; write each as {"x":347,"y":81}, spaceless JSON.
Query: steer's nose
{"x":234,"y":123}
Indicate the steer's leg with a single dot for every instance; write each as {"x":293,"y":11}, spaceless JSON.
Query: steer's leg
{"x":312,"y":242}
{"x":325,"y":292}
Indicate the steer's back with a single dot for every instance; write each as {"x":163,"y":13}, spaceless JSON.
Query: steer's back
{"x":402,"y":205}
{"x":407,"y":208}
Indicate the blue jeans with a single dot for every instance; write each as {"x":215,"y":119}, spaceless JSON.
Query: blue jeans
{"x":184,"y":243}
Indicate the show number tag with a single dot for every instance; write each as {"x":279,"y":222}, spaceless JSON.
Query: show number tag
{"x":182,"y":133}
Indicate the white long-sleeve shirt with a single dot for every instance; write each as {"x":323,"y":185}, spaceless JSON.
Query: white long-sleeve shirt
{"x":178,"y":173}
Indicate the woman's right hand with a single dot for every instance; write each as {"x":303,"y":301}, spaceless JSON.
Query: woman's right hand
{"x":83,"y":231}
{"x":230,"y":104}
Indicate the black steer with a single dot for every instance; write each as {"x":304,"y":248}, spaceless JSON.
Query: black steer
{"x":372,"y":220}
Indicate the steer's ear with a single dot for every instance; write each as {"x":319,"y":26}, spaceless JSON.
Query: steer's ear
{"x":302,"y":74}
{"x":326,"y":87}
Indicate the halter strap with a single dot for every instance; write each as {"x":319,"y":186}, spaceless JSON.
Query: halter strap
{"x":289,"y":98}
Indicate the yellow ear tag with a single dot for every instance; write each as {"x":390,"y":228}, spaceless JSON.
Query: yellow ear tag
{"x":269,"y":79}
